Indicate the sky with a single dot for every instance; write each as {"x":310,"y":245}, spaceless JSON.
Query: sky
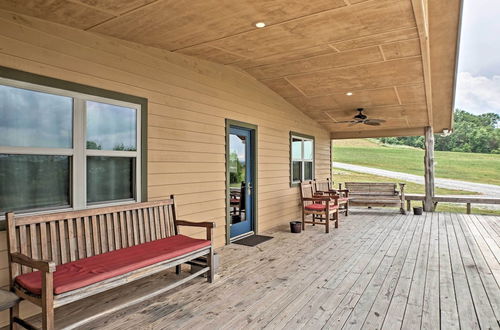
{"x":478,"y":78}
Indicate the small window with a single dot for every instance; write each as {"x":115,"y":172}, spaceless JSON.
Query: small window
{"x":66,"y":150}
{"x":302,"y":158}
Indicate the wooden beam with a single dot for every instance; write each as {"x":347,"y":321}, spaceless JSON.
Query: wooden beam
{"x":420,"y":11}
{"x":374,"y":133}
{"x":429,"y":169}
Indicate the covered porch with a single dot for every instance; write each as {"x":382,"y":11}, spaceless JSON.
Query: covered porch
{"x":280,"y":76}
{"x":377,"y":270}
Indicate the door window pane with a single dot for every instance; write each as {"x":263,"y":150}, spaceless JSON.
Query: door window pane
{"x":29,"y":182}
{"x":35,"y":119}
{"x":297,"y":171}
{"x":111,"y":127}
{"x":110,"y":178}
{"x":296,"y":148}
{"x":308,"y":170}
{"x":308,"y":149}
{"x":237,"y":163}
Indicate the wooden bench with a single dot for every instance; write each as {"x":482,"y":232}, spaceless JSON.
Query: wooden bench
{"x":59,"y":258}
{"x":376,"y":194}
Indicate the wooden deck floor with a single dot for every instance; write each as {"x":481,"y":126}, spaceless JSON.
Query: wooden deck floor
{"x":378,"y":270}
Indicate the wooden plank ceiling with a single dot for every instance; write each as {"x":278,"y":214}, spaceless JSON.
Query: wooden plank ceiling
{"x":311,"y":52}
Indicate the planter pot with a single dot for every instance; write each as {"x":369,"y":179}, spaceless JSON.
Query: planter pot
{"x":295,"y":227}
{"x":418,"y":210}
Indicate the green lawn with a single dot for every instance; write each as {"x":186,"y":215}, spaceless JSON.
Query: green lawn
{"x":483,"y":168}
{"x":341,"y":176}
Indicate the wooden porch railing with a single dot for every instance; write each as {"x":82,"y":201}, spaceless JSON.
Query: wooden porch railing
{"x":451,"y":199}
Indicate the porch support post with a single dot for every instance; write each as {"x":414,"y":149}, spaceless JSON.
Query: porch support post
{"x":429,"y":169}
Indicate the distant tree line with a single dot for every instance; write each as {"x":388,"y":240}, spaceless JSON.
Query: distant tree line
{"x":471,"y":133}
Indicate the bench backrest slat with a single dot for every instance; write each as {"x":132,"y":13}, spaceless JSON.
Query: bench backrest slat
{"x":376,"y":188}
{"x":68,"y":236}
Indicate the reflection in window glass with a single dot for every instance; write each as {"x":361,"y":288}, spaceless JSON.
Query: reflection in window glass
{"x":297,"y":171}
{"x":296,"y":148}
{"x":35,"y":119}
{"x":237,"y":163}
{"x":308,"y":170}
{"x":111,"y":127}
{"x":308,"y":149}
{"x":110,"y":178}
{"x":30,"y":182}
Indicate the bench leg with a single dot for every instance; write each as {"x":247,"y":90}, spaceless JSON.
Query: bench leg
{"x":347,"y":209}
{"x":14,"y":312}
{"x":47,"y":301}
{"x":178,"y":269}
{"x":337,"y":217}
{"x":327,"y":224}
{"x":210,"y":263}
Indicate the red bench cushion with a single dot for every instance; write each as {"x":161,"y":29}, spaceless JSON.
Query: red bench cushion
{"x":83,"y":272}
{"x":319,"y":207}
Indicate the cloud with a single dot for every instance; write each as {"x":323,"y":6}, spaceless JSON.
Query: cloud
{"x":478,"y":94}
{"x":479,"y":45}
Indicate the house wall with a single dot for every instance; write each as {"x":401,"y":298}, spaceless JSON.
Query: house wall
{"x":188,"y":102}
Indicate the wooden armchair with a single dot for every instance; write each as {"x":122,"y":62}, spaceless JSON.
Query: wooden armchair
{"x":319,"y":207}
{"x":325,"y":187}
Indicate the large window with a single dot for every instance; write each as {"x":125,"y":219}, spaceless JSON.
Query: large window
{"x":302,"y":158}
{"x":66,"y":150}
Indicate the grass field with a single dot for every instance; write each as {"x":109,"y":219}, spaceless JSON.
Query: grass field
{"x":340,"y":175}
{"x":483,"y":168}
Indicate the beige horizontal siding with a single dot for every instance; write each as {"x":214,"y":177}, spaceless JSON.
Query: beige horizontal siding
{"x":189,"y":100}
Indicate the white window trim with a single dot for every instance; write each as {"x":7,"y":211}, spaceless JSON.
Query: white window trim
{"x":302,"y":159}
{"x":79,"y":150}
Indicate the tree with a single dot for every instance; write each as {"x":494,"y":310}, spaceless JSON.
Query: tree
{"x":471,"y":133}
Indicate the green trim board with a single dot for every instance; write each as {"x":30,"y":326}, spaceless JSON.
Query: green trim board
{"x":229,"y":123}
{"x":41,"y":80}
{"x":305,"y":136}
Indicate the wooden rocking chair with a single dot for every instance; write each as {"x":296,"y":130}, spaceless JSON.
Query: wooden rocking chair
{"x":319,"y":207}
{"x":325,"y":187}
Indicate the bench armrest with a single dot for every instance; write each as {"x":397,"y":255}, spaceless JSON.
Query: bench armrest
{"x":208,"y":225}
{"x":42,"y":265}
{"x":205,"y":224}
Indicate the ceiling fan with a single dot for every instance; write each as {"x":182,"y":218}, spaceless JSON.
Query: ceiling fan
{"x":361,"y":118}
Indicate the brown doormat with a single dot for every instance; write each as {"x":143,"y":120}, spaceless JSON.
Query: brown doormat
{"x":252,"y":240}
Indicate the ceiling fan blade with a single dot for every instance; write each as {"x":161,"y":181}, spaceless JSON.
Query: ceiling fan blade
{"x":344,"y":122}
{"x":372,"y":123}
{"x":354,"y":123}
{"x":377,"y":120}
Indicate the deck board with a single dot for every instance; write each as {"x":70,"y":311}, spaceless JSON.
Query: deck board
{"x":378,"y":270}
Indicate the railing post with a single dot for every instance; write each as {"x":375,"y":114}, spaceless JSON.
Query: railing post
{"x":429,"y":169}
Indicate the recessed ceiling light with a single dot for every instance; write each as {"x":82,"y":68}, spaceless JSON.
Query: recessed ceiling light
{"x":260,"y":25}
{"x":348,"y":93}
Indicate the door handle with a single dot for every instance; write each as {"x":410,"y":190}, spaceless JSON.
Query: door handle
{"x":249,"y":189}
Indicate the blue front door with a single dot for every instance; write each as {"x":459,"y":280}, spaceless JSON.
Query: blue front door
{"x":241,"y":164}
